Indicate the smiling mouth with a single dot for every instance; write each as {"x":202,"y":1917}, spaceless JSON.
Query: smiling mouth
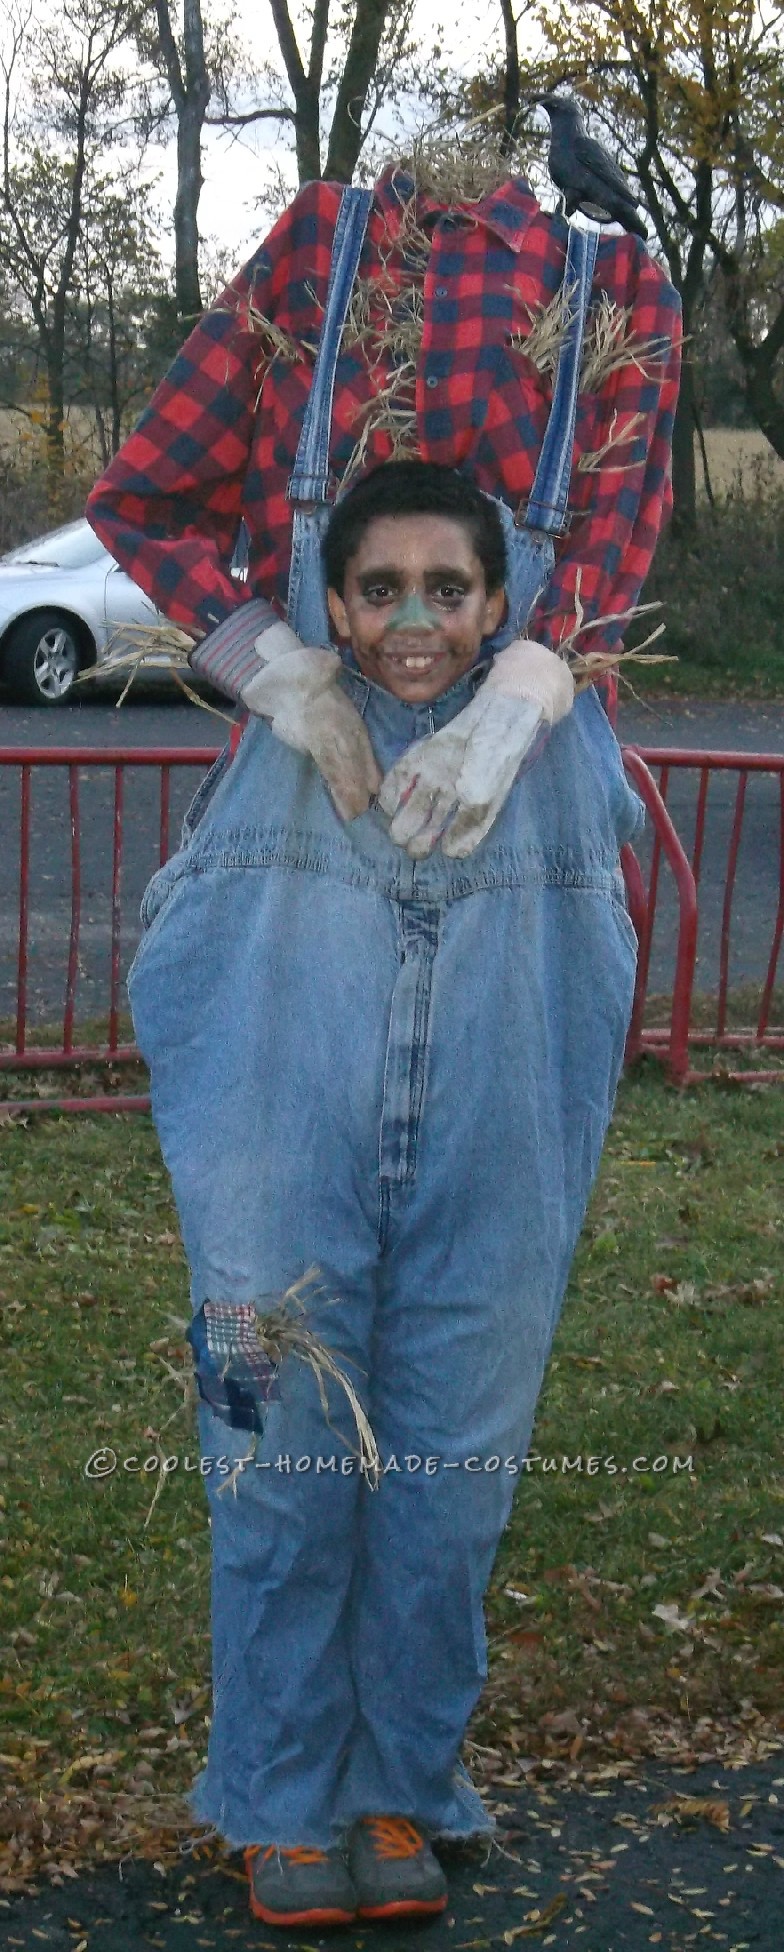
{"x":413,"y":661}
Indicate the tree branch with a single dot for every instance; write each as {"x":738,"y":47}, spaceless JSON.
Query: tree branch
{"x":287,"y":42}
{"x":170,"y":55}
{"x":254,"y":115}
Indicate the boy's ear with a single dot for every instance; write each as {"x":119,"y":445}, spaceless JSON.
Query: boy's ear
{"x":494,"y":610}
{"x":338,"y":613}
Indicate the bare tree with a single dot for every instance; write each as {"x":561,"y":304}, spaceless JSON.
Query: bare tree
{"x":326,"y":90}
{"x":190,"y":87}
{"x":63,"y":100}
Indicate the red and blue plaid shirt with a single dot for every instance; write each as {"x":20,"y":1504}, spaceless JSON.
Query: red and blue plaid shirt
{"x":218,"y":439}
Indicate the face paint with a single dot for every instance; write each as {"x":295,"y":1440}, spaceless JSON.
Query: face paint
{"x":412,"y":614}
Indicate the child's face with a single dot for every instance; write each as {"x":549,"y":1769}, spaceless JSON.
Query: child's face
{"x":415,"y":590}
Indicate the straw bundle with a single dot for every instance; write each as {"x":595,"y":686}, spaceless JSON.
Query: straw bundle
{"x":459,"y":163}
{"x":610,"y":345}
{"x":548,"y":329}
{"x":591,"y":460}
{"x":587,"y":666}
{"x":153,"y":641}
{"x":283,"y":1331}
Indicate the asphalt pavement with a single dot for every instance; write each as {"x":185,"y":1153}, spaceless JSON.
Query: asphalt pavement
{"x":155,"y":716}
{"x":598,"y":1867}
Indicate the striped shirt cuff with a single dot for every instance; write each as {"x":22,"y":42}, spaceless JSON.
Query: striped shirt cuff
{"x":227,"y":656}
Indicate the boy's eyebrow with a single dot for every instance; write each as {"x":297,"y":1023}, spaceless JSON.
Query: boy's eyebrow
{"x":393,"y":573}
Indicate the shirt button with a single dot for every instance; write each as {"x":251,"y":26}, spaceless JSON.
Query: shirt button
{"x":431,"y":380}
{"x":442,"y":291}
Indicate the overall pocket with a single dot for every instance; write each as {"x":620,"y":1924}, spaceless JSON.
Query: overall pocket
{"x":203,"y":795}
{"x":156,"y":905}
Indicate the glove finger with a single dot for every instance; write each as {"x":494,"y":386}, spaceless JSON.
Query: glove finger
{"x":347,"y":749}
{"x":399,"y":782}
{"x":351,"y":781}
{"x":467,"y":829}
{"x":423,"y":815}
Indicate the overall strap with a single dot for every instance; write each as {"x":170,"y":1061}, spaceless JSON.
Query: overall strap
{"x":546,"y":505}
{"x":310,"y":481}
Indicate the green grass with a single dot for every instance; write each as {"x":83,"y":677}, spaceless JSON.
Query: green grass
{"x":722,"y":592}
{"x":669,"y":1344}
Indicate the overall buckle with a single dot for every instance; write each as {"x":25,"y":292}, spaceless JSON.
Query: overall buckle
{"x":561,"y":528}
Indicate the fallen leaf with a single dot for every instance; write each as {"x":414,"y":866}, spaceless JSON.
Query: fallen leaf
{"x":678,"y":1622}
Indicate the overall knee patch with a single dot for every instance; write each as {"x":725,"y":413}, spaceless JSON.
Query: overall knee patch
{"x":234,"y":1375}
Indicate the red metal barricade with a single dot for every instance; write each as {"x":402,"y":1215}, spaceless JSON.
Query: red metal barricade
{"x":670,"y":1042}
{"x":762,"y":1035}
{"x":21,"y":1055}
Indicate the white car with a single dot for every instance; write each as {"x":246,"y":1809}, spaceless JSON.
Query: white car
{"x":66,"y":604}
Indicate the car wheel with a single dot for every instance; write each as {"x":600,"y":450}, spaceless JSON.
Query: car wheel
{"x":41,"y":657}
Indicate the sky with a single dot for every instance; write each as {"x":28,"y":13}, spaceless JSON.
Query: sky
{"x":238,"y":165}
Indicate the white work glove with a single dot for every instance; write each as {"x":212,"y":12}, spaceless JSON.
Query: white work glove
{"x":297,"y":692}
{"x":451,"y":786}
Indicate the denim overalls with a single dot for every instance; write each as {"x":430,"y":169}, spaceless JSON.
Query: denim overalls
{"x":402,"y":1072}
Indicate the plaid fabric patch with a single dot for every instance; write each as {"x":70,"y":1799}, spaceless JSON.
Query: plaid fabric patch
{"x":218,"y":439}
{"x":234,"y":1375}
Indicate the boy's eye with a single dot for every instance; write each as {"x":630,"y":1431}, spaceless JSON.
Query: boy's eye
{"x":449,"y":593}
{"x":378,"y":593}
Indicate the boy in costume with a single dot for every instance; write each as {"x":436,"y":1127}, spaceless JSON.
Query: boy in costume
{"x":385,"y":983}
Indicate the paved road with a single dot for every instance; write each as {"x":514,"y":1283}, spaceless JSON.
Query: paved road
{"x":604,"y":1869}
{"x":154,"y":717}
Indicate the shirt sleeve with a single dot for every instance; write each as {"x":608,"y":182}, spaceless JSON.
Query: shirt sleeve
{"x":169,"y":505}
{"x":621,"y":496}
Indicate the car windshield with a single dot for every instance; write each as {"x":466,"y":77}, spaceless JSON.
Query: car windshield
{"x":71,"y":547}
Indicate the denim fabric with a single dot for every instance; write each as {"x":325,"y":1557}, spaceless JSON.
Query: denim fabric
{"x":400,"y":1071}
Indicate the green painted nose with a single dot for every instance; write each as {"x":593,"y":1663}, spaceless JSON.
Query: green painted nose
{"x":413,"y":614}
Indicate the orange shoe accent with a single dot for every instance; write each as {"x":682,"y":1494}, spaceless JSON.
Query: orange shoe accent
{"x":394,"y":1836}
{"x":401,"y":1907}
{"x":301,"y":1854}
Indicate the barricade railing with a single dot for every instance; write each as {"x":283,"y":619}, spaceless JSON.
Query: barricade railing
{"x":670,"y":1042}
{"x":764,"y":860}
{"x":18,"y":1054}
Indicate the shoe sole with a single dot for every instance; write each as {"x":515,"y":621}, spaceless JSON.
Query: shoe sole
{"x":401,"y":1907}
{"x":324,"y":1916}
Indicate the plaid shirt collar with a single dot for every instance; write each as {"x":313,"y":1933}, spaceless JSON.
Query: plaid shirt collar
{"x":508,"y":211}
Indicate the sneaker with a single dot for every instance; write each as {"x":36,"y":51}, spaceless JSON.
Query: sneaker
{"x":393,"y":1868}
{"x":299,"y":1886}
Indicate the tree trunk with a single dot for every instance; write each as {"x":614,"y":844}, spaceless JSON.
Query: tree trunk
{"x":307,"y":127}
{"x":684,"y":472}
{"x":190,"y":93}
{"x":345,"y":140}
{"x":511,"y":76}
{"x":114,"y":377}
{"x":55,"y":426}
{"x":186,"y":205}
